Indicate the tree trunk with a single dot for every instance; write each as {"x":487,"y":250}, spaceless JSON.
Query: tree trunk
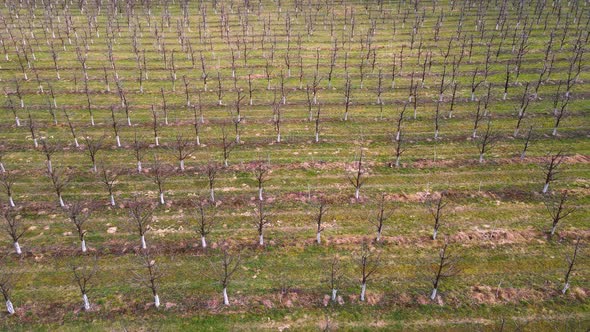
{"x":317,"y":137}
{"x":11,"y":201}
{"x":2,"y":169}
{"x":554,"y":133}
{"x":225,"y":298}
{"x":481,"y":158}
{"x":61,"y":202}
{"x":143,"y":244}
{"x":212,"y":195}
{"x":363,"y":291}
{"x":261,"y":239}
{"x":357,"y":193}
{"x":17,"y":248}
{"x":545,"y":188}
{"x":182,"y":165}
{"x":379,"y":236}
{"x":86,"y":302}
{"x":157,"y":141}
{"x":49,"y":166}
{"x":76,"y":142}
{"x":156,"y":300}
{"x":94,"y":170}
{"x":318,"y":238}
{"x":118,"y":141}
{"x":565,"y":288}
{"x":139,"y":167}
{"x":112,"y":200}
{"x":84,"y":245}
{"x":162,"y":199}
{"x":433,"y":294}
{"x":334,"y":292}
{"x":9,"y":307}
{"x":260,"y":194}
{"x":203,"y":242}
{"x":17,"y":121}
{"x":553,"y":228}
{"x":434,"y":233}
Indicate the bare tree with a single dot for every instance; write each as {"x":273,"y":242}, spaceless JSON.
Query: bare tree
{"x":109,"y":179}
{"x":13,"y":227}
{"x":261,"y":173}
{"x":227,"y":145}
{"x":322,"y":209}
{"x":82,"y":275}
{"x":206,"y":218}
{"x":261,"y":220}
{"x":335,"y":274}
{"x":7,"y":280}
{"x":445,"y":267}
{"x":558,"y":210}
{"x":551,"y":169}
{"x":92,"y":148}
{"x":141,"y":215}
{"x":138,"y":150}
{"x":79,"y":214}
{"x":527,"y":141}
{"x":6,"y":182}
{"x":152,"y":277}
{"x":230,"y":262}
{"x":183,"y":149}
{"x":436,"y":206}
{"x":357,"y":179}
{"x":381,"y":218}
{"x":59,"y":179}
{"x":571,"y":262}
{"x":368,"y":264}
{"x":487,"y":141}
{"x":160,"y":173}
{"x":211,"y":169}
{"x":48,"y":151}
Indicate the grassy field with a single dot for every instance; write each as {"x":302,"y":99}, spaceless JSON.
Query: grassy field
{"x":495,"y":223}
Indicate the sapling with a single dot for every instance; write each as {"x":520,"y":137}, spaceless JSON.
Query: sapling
{"x":571,"y":262}
{"x":140,"y":216}
{"x":13,"y":227}
{"x":261,"y":220}
{"x":7,"y":182}
{"x":436,"y":206}
{"x":358,"y":178}
{"x":206,"y":218}
{"x":445,"y":267}
{"x":382,"y":215}
{"x":261,"y":173}
{"x":230,"y":262}
{"x":551,"y":169}
{"x":558,"y":210}
{"x":82,"y":275}
{"x":322,"y":209}
{"x":79,"y":214}
{"x":149,"y":279}
{"x":368,"y":264}
{"x":6,"y":285}
{"x":109,"y":179}
{"x":211,"y":170}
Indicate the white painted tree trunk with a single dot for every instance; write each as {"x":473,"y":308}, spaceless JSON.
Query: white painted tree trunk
{"x":17,"y":248}
{"x":363,"y":291}
{"x":17,"y":121}
{"x":225,"y":163}
{"x":318,"y":238}
{"x":397,"y":162}
{"x":157,"y":141}
{"x":49,"y":166}
{"x":156,"y":300}
{"x":92,"y":120}
{"x":504,"y":96}
{"x":143,"y":244}
{"x":554,"y":133}
{"x":433,"y":294}
{"x":260,"y":198}
{"x":128,"y":121}
{"x":162,"y":199}
{"x":182,"y":165}
{"x":261,"y":239}
{"x":565,"y":288}
{"x":11,"y":201}
{"x":9,"y":307}
{"x":334,"y":292}
{"x":279,"y":138}
{"x":357,"y":193}
{"x":397,"y":135}
{"x":225,"y":298}
{"x":203,"y":242}
{"x":35,"y":143}
{"x":61,"y":202}
{"x":317,"y":137}
{"x":434,"y":233}
{"x":2,"y":169}
{"x":553,"y":228}
{"x":84,"y":249}
{"x":379,"y":236}
{"x":76,"y":142}
{"x":212,"y":194}
{"x":94,"y":170}
{"x":139,"y":167}
{"x":481,"y":158}
{"x":86,"y":302}
{"x":112,"y":200}
{"x":545,"y":188}
{"x":118,"y":141}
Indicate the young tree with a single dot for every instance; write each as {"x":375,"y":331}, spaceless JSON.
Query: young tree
{"x":558,"y":210}
{"x":13,"y":227}
{"x":79,"y":214}
{"x":381,"y":218}
{"x":227,"y":145}
{"x":109,"y":179}
{"x":7,"y":280}
{"x":436,"y":206}
{"x":445,"y":267}
{"x":6,"y":182}
{"x":183,"y":149}
{"x":527,"y":141}
{"x":211,"y":169}
{"x":357,"y":179}
{"x":160,"y":173}
{"x":92,"y":148}
{"x":322,"y":209}
{"x":335,"y":274}
{"x":230,"y":262}
{"x":551,"y":169}
{"x":261,"y":173}
{"x":138,"y":150}
{"x":368,"y":264}
{"x":48,"y":151}
{"x":59,"y":179}
{"x":206,"y":218}
{"x":141,"y":216}
{"x":487,"y":141}
{"x":261,"y":220}
{"x":152,"y":277}
{"x":82,"y":275}
{"x":571,"y":262}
